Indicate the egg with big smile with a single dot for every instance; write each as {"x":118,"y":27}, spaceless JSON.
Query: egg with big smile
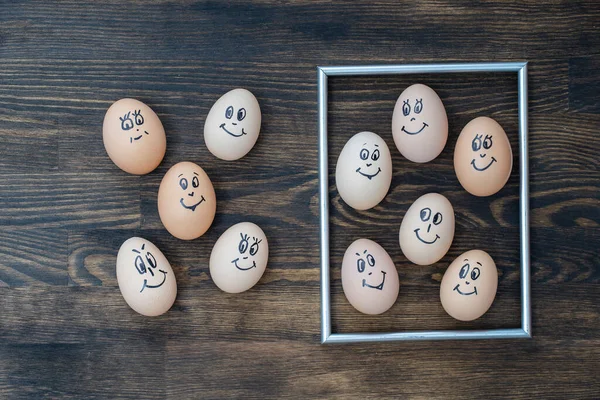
{"x":369,"y":277}
{"x":233,"y":124}
{"x":363,"y":172}
{"x":469,"y":285}
{"x":427,"y":229}
{"x":420,"y":124}
{"x":186,"y":201}
{"x":239,"y":257}
{"x":483,"y":157}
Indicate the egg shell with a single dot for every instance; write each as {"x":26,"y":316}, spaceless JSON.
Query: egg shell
{"x":363,"y":172}
{"x":145,"y":277}
{"x":427,"y":229}
{"x":420,"y":124}
{"x":134,"y":137}
{"x":483,"y":157}
{"x":369,"y":277}
{"x":232,"y":125}
{"x":186,"y":201}
{"x":467,"y":302}
{"x":239,"y":257}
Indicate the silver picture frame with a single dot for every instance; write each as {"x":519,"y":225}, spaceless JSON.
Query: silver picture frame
{"x":323,"y":72}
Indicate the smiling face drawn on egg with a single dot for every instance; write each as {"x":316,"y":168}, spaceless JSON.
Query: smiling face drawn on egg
{"x":129,"y":121}
{"x":235,"y":125}
{"x":414,"y":125}
{"x":425,"y":215}
{"x":145,"y":263}
{"x":480,"y":145}
{"x":251,"y":249}
{"x":468,"y":277}
{"x":193,"y":198}
{"x":361,"y":265}
{"x":370,"y":169}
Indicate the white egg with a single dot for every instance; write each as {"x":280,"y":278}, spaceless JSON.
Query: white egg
{"x":363,"y":173}
{"x":232,"y":126}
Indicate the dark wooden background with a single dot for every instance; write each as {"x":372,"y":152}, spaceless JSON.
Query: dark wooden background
{"x":65,"y":330}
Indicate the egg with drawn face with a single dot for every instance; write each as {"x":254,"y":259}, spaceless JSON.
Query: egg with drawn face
{"x":186,"y":201}
{"x":483,"y":157}
{"x":427,"y":229}
{"x":145,"y":277}
{"x":363,"y":172}
{"x":469,"y":285}
{"x":232,"y":126}
{"x":239,"y":257}
{"x":369,"y":277}
{"x":420,"y":124}
{"x":134,"y":137}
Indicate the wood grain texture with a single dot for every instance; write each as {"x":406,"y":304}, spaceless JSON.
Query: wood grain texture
{"x":65,"y":330}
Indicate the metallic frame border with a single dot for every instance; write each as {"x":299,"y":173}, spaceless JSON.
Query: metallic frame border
{"x":322,"y":75}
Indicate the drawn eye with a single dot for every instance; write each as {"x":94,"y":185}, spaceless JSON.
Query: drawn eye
{"x":183,"y":183}
{"x":464,"y":271}
{"x":419,"y":106}
{"x":425,"y":214}
{"x":229,"y":112}
{"x":360,"y":265}
{"x":375,"y":155}
{"x":437,"y":219}
{"x":243,"y":246}
{"x":139,"y":120}
{"x":475,"y":273}
{"x":241,"y":114}
{"x":254,"y":248}
{"x":405,"y":108}
{"x":364,"y":154}
{"x":371,"y":260}
{"x":195,"y":182}
{"x":151,"y":260}
{"x":487,"y":143}
{"x":139,"y":265}
{"x":476,"y":144}
{"x":126,"y":122}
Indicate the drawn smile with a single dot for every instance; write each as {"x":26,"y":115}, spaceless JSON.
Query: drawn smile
{"x":465,"y":294}
{"x":145,"y":285}
{"x":425,"y":241}
{"x":486,"y":167}
{"x":222,"y":126}
{"x":417,"y":132}
{"x":193,"y":208}
{"x":367,"y":175}
{"x":378,"y":287}
{"x":131,"y":139}
{"x":235,"y":262}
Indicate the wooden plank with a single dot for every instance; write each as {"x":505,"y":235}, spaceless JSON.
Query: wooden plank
{"x":583,"y":84}
{"x":56,"y":200}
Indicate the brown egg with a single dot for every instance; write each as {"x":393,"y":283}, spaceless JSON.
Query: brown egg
{"x":483,"y":157}
{"x":420,"y":124}
{"x":369,"y":277}
{"x":186,"y":201}
{"x":469,"y":285}
{"x":145,"y":277}
{"x":134,"y":137}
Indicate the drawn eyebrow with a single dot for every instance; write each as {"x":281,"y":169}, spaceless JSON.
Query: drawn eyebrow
{"x":466,"y":259}
{"x":195,"y":173}
{"x":479,"y":263}
{"x":364,"y":144}
{"x":144,"y":245}
{"x":136,"y":251}
{"x":376,"y":145}
{"x":358,"y":254}
{"x":179,"y":175}
{"x":364,"y":251}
